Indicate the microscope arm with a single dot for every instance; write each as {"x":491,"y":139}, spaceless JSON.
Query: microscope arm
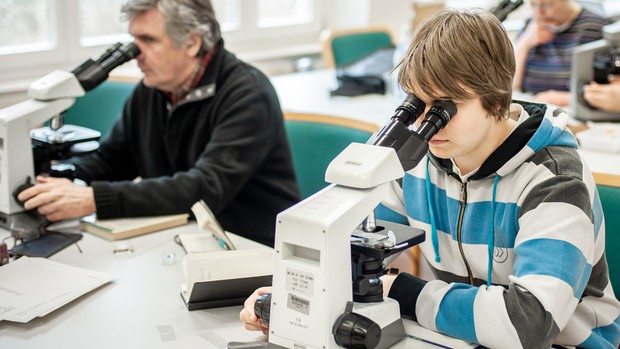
{"x":16,"y":158}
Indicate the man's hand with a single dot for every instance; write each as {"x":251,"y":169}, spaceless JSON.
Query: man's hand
{"x":251,"y":322}
{"x":603,"y":96}
{"x":58,"y":199}
{"x":536,"y":34}
{"x":559,"y":98}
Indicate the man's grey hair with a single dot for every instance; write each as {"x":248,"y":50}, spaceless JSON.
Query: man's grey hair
{"x":182,"y":18}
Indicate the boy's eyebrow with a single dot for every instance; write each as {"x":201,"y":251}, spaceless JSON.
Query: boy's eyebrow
{"x":439,"y":98}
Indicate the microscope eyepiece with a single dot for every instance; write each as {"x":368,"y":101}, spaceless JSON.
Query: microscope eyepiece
{"x":505,"y":7}
{"x":92,"y":73}
{"x":411,"y":109}
{"x":120,"y":56}
{"x":412,"y":145}
{"x":444,"y":109}
{"x":436,"y":118}
{"x":109,"y":52}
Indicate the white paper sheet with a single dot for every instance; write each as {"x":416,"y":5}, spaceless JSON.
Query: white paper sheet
{"x":32,"y":287}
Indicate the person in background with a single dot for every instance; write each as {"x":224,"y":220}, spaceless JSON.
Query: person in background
{"x":605,"y":97}
{"x":544,"y":48}
{"x":201,"y":124}
{"x":515,"y":229}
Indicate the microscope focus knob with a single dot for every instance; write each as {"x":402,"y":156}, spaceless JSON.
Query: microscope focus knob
{"x":353,"y":330}
{"x":262,"y":307}
{"x":27,"y":184}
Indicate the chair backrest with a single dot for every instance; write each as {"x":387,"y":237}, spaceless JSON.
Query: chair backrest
{"x":349,"y":45}
{"x":100,"y":107}
{"x":609,"y":192}
{"x":315,"y":140}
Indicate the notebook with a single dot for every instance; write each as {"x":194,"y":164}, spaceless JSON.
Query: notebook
{"x":124,"y":228}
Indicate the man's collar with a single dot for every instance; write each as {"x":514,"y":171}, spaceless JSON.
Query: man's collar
{"x":191,"y":92}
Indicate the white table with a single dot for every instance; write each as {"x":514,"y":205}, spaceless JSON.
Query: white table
{"x":604,"y":166}
{"x":142,"y":307}
{"x":308,"y":92}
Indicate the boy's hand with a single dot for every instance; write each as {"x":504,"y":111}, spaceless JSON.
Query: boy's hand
{"x":250,"y":321}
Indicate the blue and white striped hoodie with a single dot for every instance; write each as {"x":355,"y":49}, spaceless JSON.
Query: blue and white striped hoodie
{"x":517,"y":247}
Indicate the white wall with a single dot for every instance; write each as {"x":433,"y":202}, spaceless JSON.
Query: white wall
{"x":359,"y":13}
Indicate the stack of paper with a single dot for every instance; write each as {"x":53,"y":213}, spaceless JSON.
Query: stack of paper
{"x":34,"y":287}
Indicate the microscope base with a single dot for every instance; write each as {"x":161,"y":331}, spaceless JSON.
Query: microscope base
{"x":386,"y":314}
{"x":24,"y":225}
{"x":391,"y":334}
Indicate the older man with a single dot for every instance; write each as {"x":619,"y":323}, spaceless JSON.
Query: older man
{"x":200,"y":125}
{"x":544,"y":49}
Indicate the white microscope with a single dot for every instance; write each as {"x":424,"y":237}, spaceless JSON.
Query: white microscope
{"x":50,"y":96}
{"x":326,"y":287}
{"x":595,"y":61}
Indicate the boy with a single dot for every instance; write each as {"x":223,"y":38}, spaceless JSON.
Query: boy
{"x":515,"y":232}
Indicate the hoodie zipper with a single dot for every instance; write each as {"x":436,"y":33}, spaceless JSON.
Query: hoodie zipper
{"x":459,"y":231}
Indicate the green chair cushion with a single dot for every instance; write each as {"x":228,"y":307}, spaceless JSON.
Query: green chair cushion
{"x":313,"y":147}
{"x":350,"y":48}
{"x":610,"y":200}
{"x":100,"y":107}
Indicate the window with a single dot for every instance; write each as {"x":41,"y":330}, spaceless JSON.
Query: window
{"x":99,"y":22}
{"x":64,"y":33}
{"x":250,"y":26}
{"x":228,"y":14}
{"x":25,"y":25}
{"x":275,"y":13}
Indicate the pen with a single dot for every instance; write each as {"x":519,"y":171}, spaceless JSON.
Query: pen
{"x":427,"y":341}
{"x":222,"y":243}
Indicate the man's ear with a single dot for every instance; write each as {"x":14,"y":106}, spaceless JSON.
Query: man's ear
{"x":194,"y":42}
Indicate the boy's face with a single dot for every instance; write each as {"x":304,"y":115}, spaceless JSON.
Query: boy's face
{"x":468,"y":138}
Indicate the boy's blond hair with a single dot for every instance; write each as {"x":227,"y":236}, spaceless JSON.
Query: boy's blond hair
{"x":462,"y":55}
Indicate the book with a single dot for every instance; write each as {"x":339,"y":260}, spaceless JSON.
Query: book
{"x":124,"y":228}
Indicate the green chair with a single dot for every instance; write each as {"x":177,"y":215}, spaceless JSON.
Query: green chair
{"x":609,"y":192}
{"x":315,"y":140}
{"x":349,"y":45}
{"x":100,"y":107}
